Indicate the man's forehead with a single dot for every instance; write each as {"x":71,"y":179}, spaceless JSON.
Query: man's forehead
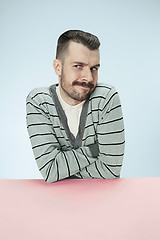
{"x":77,"y":52}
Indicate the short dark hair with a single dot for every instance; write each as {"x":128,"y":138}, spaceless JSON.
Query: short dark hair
{"x":87,"y":39}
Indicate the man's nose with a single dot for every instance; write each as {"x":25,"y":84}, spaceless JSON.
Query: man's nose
{"x":87,"y":74}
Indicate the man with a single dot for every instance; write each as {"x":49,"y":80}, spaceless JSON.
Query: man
{"x":76,"y":127}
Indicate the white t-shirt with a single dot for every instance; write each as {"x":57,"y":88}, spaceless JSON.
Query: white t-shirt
{"x":73,"y":113}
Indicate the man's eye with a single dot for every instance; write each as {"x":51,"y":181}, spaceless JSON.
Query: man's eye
{"x":94,"y":69}
{"x":77,"y":66}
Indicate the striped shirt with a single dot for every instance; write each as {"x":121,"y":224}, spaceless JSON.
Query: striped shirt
{"x":98,"y":149}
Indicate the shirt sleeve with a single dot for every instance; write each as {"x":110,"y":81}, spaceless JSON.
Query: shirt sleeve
{"x":110,"y":140}
{"x":53,"y":162}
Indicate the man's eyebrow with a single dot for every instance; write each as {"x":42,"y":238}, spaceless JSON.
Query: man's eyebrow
{"x":85,"y":64}
{"x":80,"y":63}
{"x":97,"y":65}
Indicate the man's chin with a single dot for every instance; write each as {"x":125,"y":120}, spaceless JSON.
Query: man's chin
{"x":83,"y":97}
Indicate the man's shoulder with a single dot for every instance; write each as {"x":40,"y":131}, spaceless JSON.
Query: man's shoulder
{"x":103,"y":90}
{"x":40,"y":93}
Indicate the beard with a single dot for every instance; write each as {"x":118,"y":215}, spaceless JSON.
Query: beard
{"x":73,"y":93}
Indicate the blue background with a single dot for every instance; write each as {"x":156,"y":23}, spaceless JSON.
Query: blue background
{"x":129,"y":32}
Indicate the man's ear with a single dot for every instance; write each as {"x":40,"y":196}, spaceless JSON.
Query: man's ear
{"x":57,"y":67}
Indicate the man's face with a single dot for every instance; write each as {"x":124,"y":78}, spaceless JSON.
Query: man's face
{"x":79,"y":73}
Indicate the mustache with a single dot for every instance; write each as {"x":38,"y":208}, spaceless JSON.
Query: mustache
{"x":83,"y":84}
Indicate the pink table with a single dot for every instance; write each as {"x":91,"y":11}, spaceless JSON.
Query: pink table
{"x":74,"y":209}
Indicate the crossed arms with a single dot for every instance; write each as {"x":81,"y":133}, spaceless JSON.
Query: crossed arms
{"x":100,"y":159}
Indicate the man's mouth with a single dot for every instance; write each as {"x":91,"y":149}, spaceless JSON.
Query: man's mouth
{"x":84,"y":84}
